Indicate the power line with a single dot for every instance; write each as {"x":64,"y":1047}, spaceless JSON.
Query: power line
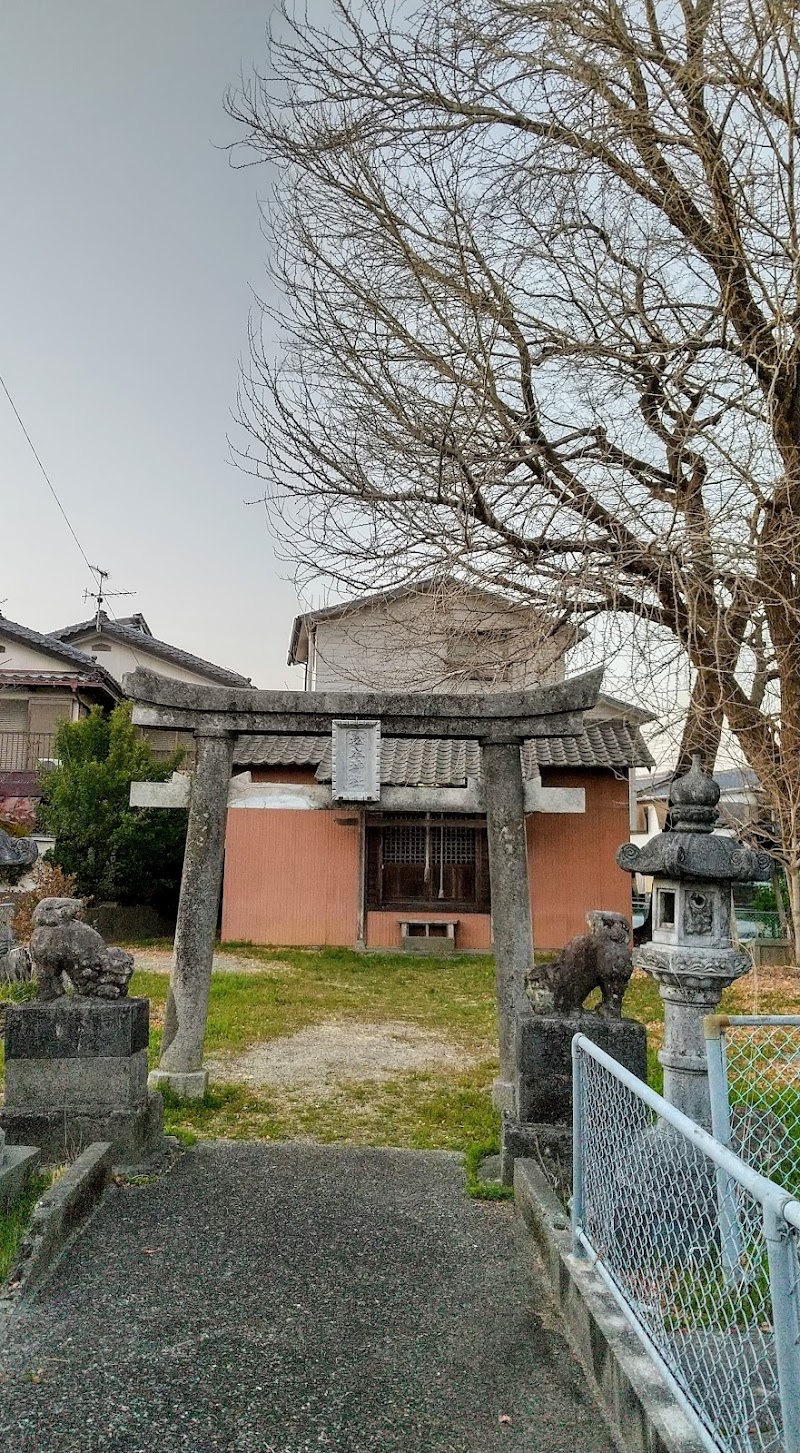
{"x":98,"y":576}
{"x":47,"y":478}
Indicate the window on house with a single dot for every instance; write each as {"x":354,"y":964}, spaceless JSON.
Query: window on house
{"x":427,"y":864}
{"x":481,"y":655}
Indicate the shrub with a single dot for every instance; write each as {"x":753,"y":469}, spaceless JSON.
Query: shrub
{"x":116,"y":852}
{"x":50,"y":881}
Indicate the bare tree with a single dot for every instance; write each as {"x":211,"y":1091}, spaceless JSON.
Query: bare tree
{"x":540,"y":264}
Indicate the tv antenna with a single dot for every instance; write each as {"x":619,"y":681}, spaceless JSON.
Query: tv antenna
{"x":100,"y":595}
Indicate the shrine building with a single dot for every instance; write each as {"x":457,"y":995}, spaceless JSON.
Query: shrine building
{"x":406,"y":863}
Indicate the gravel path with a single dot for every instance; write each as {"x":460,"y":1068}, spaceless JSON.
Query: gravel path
{"x":288,"y":1298}
{"x":160,"y":961}
{"x":325,"y":1055}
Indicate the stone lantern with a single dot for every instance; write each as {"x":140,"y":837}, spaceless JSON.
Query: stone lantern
{"x":692,"y":955}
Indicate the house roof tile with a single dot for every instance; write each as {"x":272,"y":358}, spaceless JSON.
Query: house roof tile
{"x":414,"y":761}
{"x":139,"y":634}
{"x":82,"y":664}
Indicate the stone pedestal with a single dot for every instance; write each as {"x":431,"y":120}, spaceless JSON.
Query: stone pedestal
{"x":541,"y":1118}
{"x":691,"y":982}
{"x":17,"y":1165}
{"x":76,"y":1072}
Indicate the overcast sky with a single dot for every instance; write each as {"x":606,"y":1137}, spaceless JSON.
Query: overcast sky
{"x":128,"y":251}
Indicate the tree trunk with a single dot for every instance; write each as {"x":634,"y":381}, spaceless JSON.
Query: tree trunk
{"x":702,"y":729}
{"x":793,"y":880}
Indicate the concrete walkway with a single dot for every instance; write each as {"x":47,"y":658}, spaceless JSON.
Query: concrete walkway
{"x":290,"y":1298}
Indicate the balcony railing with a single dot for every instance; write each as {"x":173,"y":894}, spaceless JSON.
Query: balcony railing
{"x":26,"y":751}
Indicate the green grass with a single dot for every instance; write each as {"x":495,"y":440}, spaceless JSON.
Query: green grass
{"x":442,"y":1110}
{"x":478,"y":1189}
{"x":293,"y":989}
{"x":14,"y":1223}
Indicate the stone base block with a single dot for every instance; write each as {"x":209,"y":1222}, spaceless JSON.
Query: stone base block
{"x":543,"y":1081}
{"x":19,"y":1164}
{"x":503,"y":1096}
{"x":134,"y":1134}
{"x":77,"y":1029}
{"x":75,"y":1073}
{"x":550,"y":1145}
{"x":186,"y":1084}
{"x":540,"y":1120}
{"x":116,"y":1083}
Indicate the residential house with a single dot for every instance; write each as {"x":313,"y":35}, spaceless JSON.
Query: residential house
{"x":740,"y":801}
{"x":49,"y":678}
{"x":303,"y":869}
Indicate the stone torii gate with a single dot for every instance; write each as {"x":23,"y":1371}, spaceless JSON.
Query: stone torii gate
{"x":218,"y":715}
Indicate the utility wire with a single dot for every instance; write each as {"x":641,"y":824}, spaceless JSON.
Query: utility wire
{"x":47,"y":479}
{"x":95,"y":573}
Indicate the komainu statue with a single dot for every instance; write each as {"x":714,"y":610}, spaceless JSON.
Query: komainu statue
{"x":17,"y":852}
{"x":61,"y":944}
{"x":599,"y":959}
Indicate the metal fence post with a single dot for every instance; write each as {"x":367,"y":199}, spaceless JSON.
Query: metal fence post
{"x":730,"y":1242}
{"x":578,"y":1149}
{"x":784,"y":1272}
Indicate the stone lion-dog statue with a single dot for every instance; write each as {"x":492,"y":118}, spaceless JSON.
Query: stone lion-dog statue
{"x":599,"y":959}
{"x":62,"y":945}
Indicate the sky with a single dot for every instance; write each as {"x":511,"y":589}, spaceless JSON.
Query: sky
{"x":130,"y":250}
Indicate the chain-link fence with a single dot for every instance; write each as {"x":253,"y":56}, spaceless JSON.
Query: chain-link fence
{"x":700,"y":1251}
{"x":754,"y":1081}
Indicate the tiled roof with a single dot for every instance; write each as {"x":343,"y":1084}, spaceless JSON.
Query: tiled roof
{"x":438,"y":762}
{"x":59,"y":650}
{"x":49,"y":678}
{"x":729,"y":780}
{"x":288,"y":751}
{"x":135,"y":635}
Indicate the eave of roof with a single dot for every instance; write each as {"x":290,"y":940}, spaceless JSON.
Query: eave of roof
{"x":74,"y":680}
{"x":60,"y":651}
{"x":149,"y":644}
{"x":627,"y":709}
{"x":657,"y":788}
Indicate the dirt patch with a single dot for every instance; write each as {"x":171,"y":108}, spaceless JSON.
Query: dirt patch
{"x":160,"y":961}
{"x":326,"y":1055}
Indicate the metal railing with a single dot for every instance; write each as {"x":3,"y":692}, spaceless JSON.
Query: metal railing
{"x":700,"y":1252}
{"x":754,"y":1084}
{"x":25,"y":751}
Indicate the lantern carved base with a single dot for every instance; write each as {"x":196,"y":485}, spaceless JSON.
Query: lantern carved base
{"x":690,"y":982}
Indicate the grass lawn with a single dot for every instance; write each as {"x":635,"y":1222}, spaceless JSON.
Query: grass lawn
{"x":430,"y":1109}
{"x":436,"y":1108}
{"x":420,"y":1110}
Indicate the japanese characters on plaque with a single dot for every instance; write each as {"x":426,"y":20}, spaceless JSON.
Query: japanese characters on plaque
{"x":356,"y":770}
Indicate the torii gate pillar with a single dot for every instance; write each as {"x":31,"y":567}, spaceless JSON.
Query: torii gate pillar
{"x":181,"y":1065}
{"x":504,"y":798}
